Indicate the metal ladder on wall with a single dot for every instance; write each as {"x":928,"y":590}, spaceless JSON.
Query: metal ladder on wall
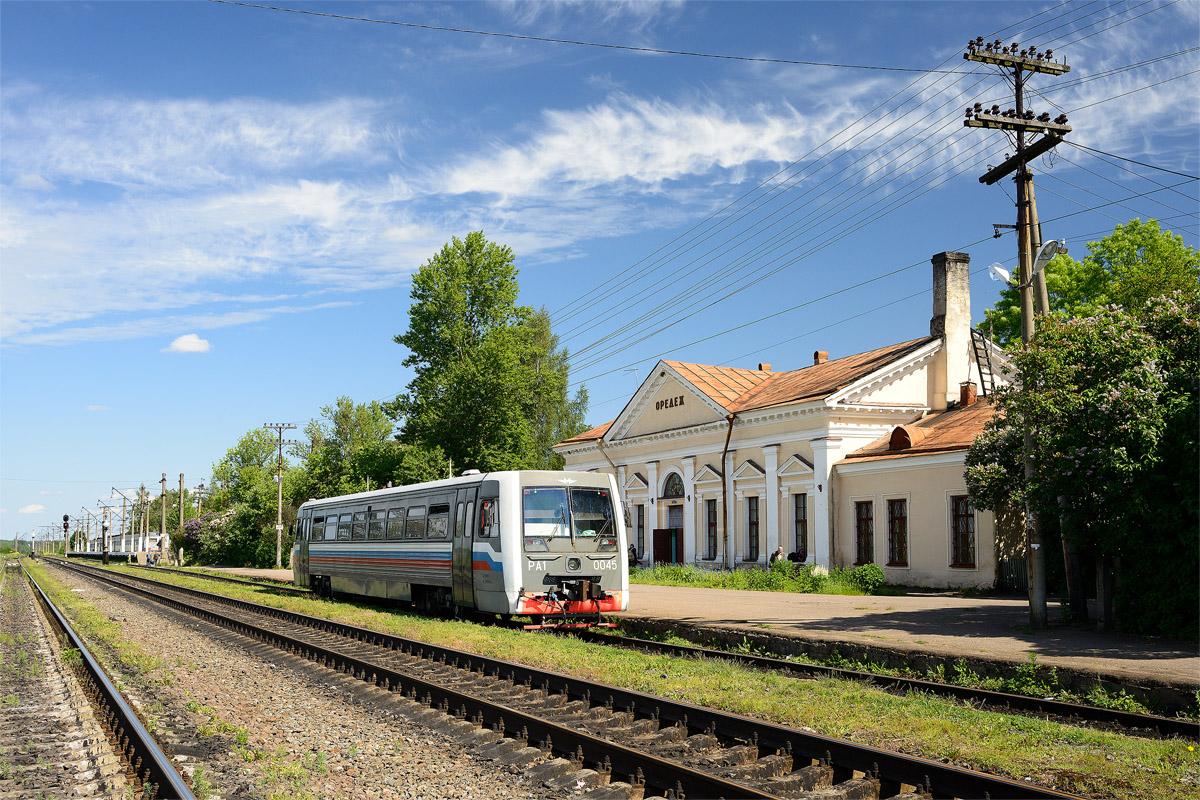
{"x":983,"y":360}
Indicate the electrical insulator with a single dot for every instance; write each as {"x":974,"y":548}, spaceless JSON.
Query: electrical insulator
{"x":978,"y":107}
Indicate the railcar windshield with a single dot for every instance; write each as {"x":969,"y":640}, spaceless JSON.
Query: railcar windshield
{"x":560,"y":520}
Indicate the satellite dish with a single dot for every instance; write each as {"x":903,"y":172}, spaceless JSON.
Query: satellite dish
{"x":997,"y":272}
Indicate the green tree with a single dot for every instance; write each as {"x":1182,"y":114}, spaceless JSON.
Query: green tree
{"x":1110,"y":403}
{"x":242,"y":506}
{"x":490,"y":379}
{"x":1137,"y":261}
{"x":351,"y":448}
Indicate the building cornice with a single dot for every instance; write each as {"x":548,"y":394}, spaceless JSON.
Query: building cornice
{"x":899,"y":464}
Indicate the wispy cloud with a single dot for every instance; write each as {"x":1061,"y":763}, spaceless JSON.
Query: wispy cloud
{"x":188,"y":343}
{"x":32,"y":508}
{"x":175,"y":144}
{"x":96,"y":408}
{"x":152,"y":326}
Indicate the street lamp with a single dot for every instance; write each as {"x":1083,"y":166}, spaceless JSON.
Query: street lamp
{"x":1045,"y":254}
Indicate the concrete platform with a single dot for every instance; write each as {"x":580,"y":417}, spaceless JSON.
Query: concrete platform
{"x":251,"y":572}
{"x":979,"y":628}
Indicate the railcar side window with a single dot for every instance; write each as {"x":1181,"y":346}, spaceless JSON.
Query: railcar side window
{"x":375,"y":525}
{"x":460,"y":522}
{"x":489,"y":519}
{"x":395,"y":523}
{"x":439,"y":522}
{"x":359,"y":530}
{"x":331,"y":527}
{"x":415,"y":526}
{"x":469,"y":514}
{"x":343,"y":530}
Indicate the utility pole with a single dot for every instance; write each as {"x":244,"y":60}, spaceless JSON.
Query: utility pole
{"x":180,"y":514}
{"x":162,"y":529}
{"x":1017,"y":122}
{"x":279,"y":428}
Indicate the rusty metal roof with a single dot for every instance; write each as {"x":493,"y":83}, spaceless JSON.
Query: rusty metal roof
{"x":591,"y":434}
{"x":737,"y":390}
{"x":940,"y":432}
{"x":822,"y":380}
{"x":722,"y":385}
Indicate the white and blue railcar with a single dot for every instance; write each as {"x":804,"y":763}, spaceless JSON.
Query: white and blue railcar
{"x":542,"y":543}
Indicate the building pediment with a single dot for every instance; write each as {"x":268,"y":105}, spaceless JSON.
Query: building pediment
{"x":796,"y":467}
{"x":748,"y":469}
{"x":707,"y":474}
{"x":636,"y":482}
{"x":904,"y":381}
{"x":664,"y":401}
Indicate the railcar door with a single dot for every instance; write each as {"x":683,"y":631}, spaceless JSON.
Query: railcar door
{"x":303,"y":534}
{"x":462,"y":561}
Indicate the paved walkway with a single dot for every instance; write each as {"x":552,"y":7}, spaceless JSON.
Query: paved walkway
{"x":955,"y":626}
{"x":969,"y":627}
{"x":251,"y":572}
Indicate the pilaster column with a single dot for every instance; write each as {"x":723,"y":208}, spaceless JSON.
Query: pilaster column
{"x":827,"y":451}
{"x":730,"y":538}
{"x":771,"y":496}
{"x":689,"y":510}
{"x":652,"y":502}
{"x":621,"y":487}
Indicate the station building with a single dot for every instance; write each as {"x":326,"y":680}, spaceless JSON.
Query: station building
{"x":846,"y":461}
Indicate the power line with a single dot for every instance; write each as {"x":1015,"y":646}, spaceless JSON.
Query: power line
{"x":1133,"y":160}
{"x":609,"y":282}
{"x":1135,"y":91}
{"x":774,"y":314}
{"x":743,"y":258}
{"x":580,"y":42}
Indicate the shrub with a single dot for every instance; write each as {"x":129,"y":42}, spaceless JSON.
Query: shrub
{"x":868,"y":577}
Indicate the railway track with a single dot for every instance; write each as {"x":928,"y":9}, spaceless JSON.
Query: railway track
{"x":1075,"y":713}
{"x":272,"y":586}
{"x":66,"y":731}
{"x":585,"y":736}
{"x":1127,"y":721}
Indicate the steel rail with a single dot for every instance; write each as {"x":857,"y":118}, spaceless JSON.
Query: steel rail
{"x":278,"y":587}
{"x":894,"y":770}
{"x":1166,"y":726}
{"x":133,"y":743}
{"x":657,"y":772}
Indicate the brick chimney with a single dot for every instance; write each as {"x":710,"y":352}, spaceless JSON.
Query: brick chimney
{"x":820,"y":357}
{"x":764,"y":366}
{"x":952,"y":321}
{"x":968,"y":393}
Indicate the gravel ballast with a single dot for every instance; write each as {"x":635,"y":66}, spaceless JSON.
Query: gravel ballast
{"x":257,"y":722}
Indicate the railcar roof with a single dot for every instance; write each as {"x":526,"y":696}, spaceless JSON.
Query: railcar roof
{"x":591,"y":478}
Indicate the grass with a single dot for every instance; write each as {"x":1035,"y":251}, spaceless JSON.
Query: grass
{"x":1084,"y":761}
{"x":782,"y":576}
{"x":1031,"y":678}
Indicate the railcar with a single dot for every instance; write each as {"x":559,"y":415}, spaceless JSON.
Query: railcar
{"x":546,"y":544}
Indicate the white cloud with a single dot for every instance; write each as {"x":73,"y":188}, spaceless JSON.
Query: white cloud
{"x":178,"y":143}
{"x":643,"y":141}
{"x":32,"y":508}
{"x":188,"y":343}
{"x":96,"y":408}
{"x":49,"y":492}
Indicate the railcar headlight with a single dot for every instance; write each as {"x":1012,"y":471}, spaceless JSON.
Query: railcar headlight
{"x":606,"y":543}
{"x":573,"y":564}
{"x":536,"y":544}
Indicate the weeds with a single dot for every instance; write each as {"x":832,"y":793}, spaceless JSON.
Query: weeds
{"x":782,"y":576}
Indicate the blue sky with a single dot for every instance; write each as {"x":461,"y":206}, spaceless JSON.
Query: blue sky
{"x":210,"y":214}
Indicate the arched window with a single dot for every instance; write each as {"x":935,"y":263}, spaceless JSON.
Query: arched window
{"x":673,"y":487}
